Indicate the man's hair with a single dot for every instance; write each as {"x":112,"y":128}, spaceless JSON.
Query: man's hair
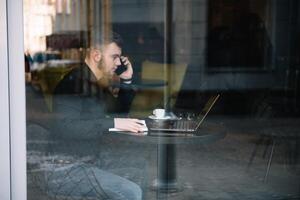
{"x":108,"y":38}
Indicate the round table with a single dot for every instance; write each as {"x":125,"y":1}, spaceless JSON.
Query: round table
{"x":144,"y":84}
{"x":149,"y":83}
{"x":166,"y":145}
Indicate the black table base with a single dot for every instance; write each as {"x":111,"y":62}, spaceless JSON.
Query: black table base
{"x":167,"y":171}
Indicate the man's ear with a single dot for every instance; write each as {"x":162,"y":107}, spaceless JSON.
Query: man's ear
{"x":97,"y":55}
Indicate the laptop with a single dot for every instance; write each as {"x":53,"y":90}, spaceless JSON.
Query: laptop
{"x":185,"y":125}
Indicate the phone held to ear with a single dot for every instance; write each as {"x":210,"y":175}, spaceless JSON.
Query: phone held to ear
{"x":121,"y":68}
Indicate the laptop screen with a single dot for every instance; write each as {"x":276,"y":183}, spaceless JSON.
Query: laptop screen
{"x":210,"y":103}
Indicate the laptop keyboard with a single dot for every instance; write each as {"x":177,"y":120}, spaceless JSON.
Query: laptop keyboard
{"x":178,"y":125}
{"x":183,"y":125}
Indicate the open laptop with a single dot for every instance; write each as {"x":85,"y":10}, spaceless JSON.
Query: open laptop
{"x":184,"y":125}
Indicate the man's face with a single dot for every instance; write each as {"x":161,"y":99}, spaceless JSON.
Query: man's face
{"x":110,"y":58}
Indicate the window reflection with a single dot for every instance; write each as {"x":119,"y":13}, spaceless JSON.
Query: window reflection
{"x":238,"y":36}
{"x":247,"y":51}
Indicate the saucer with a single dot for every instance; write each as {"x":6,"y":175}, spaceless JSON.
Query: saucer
{"x":159,"y":118}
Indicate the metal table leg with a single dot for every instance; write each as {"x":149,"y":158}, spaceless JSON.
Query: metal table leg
{"x":167,"y":174}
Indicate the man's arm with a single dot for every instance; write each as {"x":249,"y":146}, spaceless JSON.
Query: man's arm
{"x":79,"y":117}
{"x":82,"y":118}
{"x":126,"y":92}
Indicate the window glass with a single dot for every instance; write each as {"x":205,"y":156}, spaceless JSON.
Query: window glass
{"x":226,"y":70}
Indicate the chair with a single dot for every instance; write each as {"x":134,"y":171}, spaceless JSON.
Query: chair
{"x":274,"y":136}
{"x":148,"y":99}
{"x":48,"y":79}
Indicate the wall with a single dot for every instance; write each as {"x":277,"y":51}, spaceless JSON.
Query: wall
{"x":189,"y":39}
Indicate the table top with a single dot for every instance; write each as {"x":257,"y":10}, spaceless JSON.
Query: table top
{"x":206,"y":134}
{"x":148,"y":84}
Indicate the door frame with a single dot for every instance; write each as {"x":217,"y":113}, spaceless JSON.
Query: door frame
{"x":12,"y":105}
{"x":4,"y":107}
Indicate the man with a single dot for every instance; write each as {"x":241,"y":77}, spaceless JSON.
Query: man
{"x":85,"y":104}
{"x":87,"y":98}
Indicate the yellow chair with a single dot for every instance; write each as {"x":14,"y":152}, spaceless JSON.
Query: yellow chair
{"x":48,"y":79}
{"x":148,"y":99}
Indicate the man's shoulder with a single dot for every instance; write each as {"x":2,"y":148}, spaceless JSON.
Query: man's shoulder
{"x":70,"y":81}
{"x":73,"y":73}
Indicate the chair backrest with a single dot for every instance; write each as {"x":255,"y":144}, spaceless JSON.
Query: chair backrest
{"x":156,"y":71}
{"x":49,"y":78}
{"x":149,"y":99}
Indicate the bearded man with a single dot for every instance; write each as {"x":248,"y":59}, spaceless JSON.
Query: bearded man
{"x":91,"y":98}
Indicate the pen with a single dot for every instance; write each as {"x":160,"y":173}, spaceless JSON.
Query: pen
{"x":142,"y":123}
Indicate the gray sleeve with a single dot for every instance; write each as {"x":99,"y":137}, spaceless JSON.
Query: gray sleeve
{"x":79,"y":118}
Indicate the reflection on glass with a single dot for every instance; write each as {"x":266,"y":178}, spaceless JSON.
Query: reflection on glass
{"x":248,"y":145}
{"x":238,"y":36}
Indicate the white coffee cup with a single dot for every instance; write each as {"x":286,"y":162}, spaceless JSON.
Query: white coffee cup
{"x":159,"y":113}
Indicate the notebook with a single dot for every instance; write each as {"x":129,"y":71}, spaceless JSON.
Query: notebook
{"x":185,"y":125}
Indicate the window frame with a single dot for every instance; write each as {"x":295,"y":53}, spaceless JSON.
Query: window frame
{"x":4,"y":107}
{"x":12,"y":88}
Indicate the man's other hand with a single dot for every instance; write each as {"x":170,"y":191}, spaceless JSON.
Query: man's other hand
{"x":128,"y":124}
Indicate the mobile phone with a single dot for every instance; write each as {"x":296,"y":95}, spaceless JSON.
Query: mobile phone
{"x":121,"y":68}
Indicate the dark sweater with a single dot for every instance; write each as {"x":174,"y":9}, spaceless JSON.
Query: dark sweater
{"x":83,"y":109}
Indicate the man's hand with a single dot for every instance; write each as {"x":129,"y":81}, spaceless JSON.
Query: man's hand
{"x":129,"y":71}
{"x":128,"y":124}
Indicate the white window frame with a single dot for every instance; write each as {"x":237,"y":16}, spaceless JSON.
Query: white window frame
{"x":12,"y":102}
{"x":4,"y":108}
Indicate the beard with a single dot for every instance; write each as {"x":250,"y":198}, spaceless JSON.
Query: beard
{"x":102,"y":67}
{"x":108,"y":79}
